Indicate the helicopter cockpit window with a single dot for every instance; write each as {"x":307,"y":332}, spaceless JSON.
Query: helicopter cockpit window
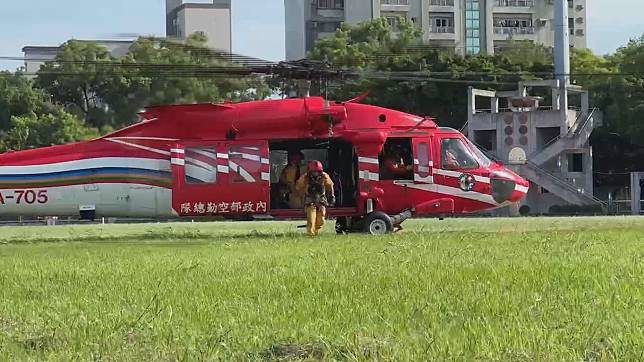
{"x":201,"y":165}
{"x":396,"y":160}
{"x":483,"y":159}
{"x":456,"y":155}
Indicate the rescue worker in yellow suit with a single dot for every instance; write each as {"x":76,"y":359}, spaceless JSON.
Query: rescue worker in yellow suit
{"x":289,"y":177}
{"x":317,"y":187}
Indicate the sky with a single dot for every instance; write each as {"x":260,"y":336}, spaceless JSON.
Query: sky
{"x":258,"y":25}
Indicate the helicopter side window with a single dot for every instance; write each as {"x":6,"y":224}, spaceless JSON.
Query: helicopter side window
{"x":201,"y":165}
{"x":456,"y":156}
{"x":244,"y":163}
{"x":396,"y":161}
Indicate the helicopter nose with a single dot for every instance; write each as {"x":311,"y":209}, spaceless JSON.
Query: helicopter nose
{"x":508,"y":186}
{"x":521,"y":189}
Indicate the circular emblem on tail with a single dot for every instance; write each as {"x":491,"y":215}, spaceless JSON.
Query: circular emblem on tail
{"x":467,"y":182}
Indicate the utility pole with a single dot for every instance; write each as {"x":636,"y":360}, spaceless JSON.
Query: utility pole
{"x":562,"y":52}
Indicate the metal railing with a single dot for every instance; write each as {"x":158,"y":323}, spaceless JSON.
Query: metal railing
{"x":394,"y":2}
{"x":565,"y":184}
{"x":512,"y":30}
{"x":515,"y":3}
{"x":443,"y":29}
{"x":574,"y":130}
{"x":441,"y":2}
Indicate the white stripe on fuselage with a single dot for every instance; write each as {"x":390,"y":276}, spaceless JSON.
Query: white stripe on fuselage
{"x":141,"y":147}
{"x":102,"y":162}
{"x":456,"y":192}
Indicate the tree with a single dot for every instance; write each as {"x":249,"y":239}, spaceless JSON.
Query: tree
{"x":77,"y":79}
{"x":109,"y":92}
{"x":402,"y":74}
{"x":28,"y":119}
{"x":626,"y":112}
{"x":18,"y":97}
{"x":31,"y":131}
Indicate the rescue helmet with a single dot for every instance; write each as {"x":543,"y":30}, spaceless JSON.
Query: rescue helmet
{"x":315,"y":166}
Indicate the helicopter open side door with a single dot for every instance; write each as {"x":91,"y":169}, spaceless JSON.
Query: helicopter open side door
{"x":220,"y":178}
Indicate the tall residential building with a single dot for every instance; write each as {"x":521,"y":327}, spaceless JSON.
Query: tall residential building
{"x":212,"y":19}
{"x":468,"y":26}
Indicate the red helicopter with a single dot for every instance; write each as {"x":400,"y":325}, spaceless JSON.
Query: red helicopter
{"x":207,"y":160}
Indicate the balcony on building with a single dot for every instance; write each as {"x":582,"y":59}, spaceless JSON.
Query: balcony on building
{"x":441,"y":26}
{"x":325,"y":28}
{"x":441,"y":5}
{"x":329,"y":9}
{"x":513,"y":6}
{"x":394,"y":5}
{"x":517,"y":27}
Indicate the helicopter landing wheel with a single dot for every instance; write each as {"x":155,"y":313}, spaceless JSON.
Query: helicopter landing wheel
{"x":378,"y":223}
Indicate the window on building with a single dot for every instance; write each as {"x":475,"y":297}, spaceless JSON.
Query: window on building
{"x":201,"y":165}
{"x":393,"y":21}
{"x":515,"y":3}
{"x":441,"y":2}
{"x":330,"y":4}
{"x":442,"y":24}
{"x":575,"y":162}
{"x":394,"y":2}
{"x":328,"y":26}
{"x":571,"y":25}
{"x":472,"y":26}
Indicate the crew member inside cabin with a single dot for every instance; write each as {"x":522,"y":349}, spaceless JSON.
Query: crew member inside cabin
{"x":394,"y":164}
{"x":317,"y":187}
{"x":288,"y":178}
{"x":450,"y":160}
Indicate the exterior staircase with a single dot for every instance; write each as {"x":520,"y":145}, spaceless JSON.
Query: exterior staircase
{"x":558,"y":186}
{"x":576,"y":138}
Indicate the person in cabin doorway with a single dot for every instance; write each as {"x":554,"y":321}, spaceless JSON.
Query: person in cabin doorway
{"x":290,"y":174}
{"x":317,"y":187}
{"x":394,"y":165}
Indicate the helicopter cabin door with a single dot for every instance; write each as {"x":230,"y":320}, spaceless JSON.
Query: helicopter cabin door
{"x":229,"y":179}
{"x":423,"y":164}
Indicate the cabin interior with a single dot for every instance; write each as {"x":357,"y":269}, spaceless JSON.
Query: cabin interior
{"x":338,"y":157}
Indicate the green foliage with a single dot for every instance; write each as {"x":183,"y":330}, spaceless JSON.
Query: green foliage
{"x":556,"y":289}
{"x":18,"y":97}
{"x":109,"y":92}
{"x":626,"y":110}
{"x":28,"y":119}
{"x":49,"y":129}
{"x":374,"y":47}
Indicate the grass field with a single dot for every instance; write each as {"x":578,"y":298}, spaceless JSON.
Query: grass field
{"x":464,"y":289}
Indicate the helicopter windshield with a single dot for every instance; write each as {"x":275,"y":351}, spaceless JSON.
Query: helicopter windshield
{"x":483,"y":159}
{"x":456,"y":155}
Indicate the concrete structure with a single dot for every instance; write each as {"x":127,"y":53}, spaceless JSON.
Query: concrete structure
{"x":637,"y":185}
{"x":213,"y":19}
{"x":548,"y":144}
{"x":36,"y":56}
{"x":468,"y":26}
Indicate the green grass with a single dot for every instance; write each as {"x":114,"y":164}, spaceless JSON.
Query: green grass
{"x":464,"y":289}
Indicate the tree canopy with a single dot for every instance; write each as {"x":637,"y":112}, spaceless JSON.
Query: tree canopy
{"x":108,"y":92}
{"x":28,"y":119}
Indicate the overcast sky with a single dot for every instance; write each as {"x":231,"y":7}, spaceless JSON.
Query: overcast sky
{"x":258,"y":25}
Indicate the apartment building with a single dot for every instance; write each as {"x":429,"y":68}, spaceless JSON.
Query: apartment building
{"x":467,"y":26}
{"x":212,"y":19}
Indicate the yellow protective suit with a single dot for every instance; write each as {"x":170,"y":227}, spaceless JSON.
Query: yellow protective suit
{"x":315,"y":205}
